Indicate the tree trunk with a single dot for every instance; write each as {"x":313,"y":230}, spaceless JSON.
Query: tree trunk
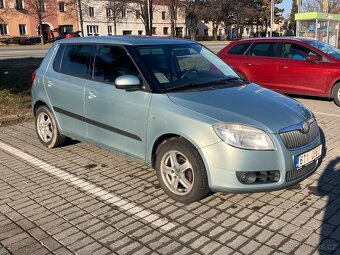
{"x":80,"y":16}
{"x":115,"y":26}
{"x":42,"y":40}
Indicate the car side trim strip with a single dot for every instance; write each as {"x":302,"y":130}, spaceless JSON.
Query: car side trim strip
{"x":98,"y":124}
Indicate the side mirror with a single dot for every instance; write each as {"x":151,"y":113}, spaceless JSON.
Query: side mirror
{"x":128,"y":82}
{"x":313,"y":58}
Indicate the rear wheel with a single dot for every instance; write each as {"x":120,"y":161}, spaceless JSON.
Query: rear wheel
{"x":46,"y":127}
{"x":336,"y":94}
{"x":180,"y":171}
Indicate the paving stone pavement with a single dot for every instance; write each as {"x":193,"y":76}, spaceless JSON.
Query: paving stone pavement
{"x":120,"y":208}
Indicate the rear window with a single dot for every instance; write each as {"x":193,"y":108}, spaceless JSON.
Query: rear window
{"x":75,"y":60}
{"x":239,"y":49}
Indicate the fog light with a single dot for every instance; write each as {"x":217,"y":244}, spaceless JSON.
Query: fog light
{"x":246,"y":177}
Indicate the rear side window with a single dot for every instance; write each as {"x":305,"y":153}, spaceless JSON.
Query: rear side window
{"x":267,"y":49}
{"x":112,"y":62}
{"x":239,"y":49}
{"x":76,"y":60}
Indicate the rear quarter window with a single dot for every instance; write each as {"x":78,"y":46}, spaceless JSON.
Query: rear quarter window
{"x":58,"y":57}
{"x":239,"y":49}
{"x":76,"y":60}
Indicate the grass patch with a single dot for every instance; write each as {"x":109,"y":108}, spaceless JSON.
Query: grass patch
{"x":15,"y":86}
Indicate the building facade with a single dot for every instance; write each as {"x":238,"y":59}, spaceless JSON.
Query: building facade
{"x":18,"y":18}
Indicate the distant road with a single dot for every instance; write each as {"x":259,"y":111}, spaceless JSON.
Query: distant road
{"x":39,"y":51}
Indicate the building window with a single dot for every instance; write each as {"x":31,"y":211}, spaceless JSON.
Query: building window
{"x":127,"y":32}
{"x":137,"y":14}
{"x":206,"y":31}
{"x":109,"y":30}
{"x":3,"y":29}
{"x":61,"y":6}
{"x":165,"y":30}
{"x":153,"y":30}
{"x":42,"y":6}
{"x":91,"y":11}
{"x":109,"y":12}
{"x":92,"y":30}
{"x":22,"y":29}
{"x":19,"y":4}
{"x":163,"y":15}
{"x":140,"y":32}
{"x":124,"y":13}
{"x":1,"y":4}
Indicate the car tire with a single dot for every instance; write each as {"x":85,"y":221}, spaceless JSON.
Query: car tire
{"x":47,"y":129}
{"x":336,"y":94}
{"x":181,"y":171}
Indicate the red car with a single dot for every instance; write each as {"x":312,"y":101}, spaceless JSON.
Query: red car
{"x":289,"y":65}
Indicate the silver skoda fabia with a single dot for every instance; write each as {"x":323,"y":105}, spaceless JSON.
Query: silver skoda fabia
{"x":177,"y":106}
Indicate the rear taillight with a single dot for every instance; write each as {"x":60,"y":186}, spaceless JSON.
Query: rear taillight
{"x":34,"y":74}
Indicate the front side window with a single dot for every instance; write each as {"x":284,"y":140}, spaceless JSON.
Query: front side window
{"x":265,"y":49}
{"x":239,"y":49}
{"x":3,"y":29}
{"x":22,"y":29}
{"x":92,"y":30}
{"x":296,"y":51}
{"x":112,"y":62}
{"x":171,"y":66}
{"x":75,"y":60}
{"x":326,"y":48}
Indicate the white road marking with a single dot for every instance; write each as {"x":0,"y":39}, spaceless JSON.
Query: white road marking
{"x":328,"y":114}
{"x":115,"y":200}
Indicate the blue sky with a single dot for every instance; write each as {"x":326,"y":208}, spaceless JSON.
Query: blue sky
{"x":287,"y":5}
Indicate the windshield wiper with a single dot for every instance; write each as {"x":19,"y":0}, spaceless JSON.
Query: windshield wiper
{"x":223,"y":81}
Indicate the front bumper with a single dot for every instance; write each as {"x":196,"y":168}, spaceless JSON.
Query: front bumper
{"x":223,"y":161}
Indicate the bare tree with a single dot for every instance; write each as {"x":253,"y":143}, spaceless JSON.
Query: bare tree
{"x":143,"y":9}
{"x":40,"y":10}
{"x":114,"y":10}
{"x":317,"y":5}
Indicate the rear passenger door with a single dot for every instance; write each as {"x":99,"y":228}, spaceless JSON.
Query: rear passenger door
{"x":65,"y":83}
{"x":261,"y":63}
{"x":116,"y":118}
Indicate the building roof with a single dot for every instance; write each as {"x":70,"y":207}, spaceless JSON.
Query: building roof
{"x":127,"y":40}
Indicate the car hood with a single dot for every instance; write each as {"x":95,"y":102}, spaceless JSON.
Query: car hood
{"x":248,"y":104}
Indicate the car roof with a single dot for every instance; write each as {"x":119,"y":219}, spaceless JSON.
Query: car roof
{"x":126,"y":40}
{"x":283,"y":38}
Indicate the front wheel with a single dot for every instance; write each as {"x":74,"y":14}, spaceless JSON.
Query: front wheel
{"x":180,"y":171}
{"x":336,"y":94}
{"x":46,"y":127}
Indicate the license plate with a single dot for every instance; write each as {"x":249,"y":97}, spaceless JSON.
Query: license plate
{"x":308,"y":157}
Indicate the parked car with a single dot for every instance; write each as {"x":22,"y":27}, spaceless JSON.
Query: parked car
{"x":289,"y":65}
{"x":177,"y":106}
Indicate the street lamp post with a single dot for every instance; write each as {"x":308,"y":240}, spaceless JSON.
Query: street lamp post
{"x":272,"y":10}
{"x":149,"y":17}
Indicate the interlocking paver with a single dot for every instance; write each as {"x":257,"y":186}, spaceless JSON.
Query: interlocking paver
{"x":47,"y":214}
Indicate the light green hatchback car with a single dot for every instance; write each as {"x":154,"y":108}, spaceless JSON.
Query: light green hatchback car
{"x":177,"y":106}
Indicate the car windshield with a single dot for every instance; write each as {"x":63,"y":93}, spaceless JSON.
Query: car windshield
{"x":326,"y":48}
{"x":182,"y":65}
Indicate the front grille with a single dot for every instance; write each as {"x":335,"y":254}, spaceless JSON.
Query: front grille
{"x":296,"y":138}
{"x":296,"y":174}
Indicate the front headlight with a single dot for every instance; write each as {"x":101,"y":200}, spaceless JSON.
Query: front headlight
{"x":244,"y":137}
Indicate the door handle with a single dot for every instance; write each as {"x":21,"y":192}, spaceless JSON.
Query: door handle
{"x":90,"y":94}
{"x":49,"y":83}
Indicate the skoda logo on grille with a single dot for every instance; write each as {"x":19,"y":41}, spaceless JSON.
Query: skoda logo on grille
{"x":305,"y":127}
